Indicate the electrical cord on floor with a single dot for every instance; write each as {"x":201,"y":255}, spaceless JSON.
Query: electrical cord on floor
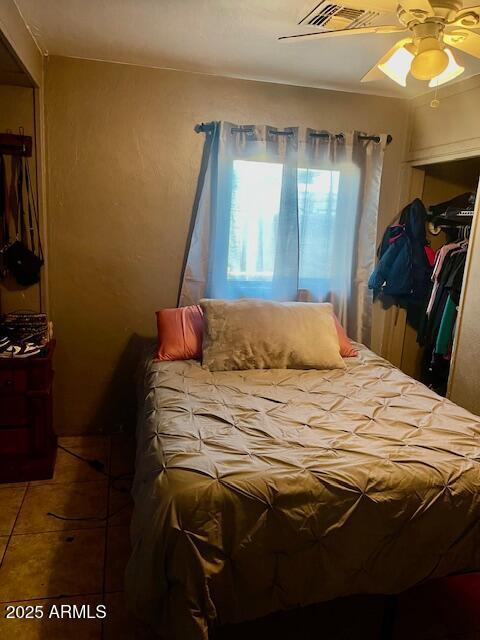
{"x":99,"y":467}
{"x":96,"y":465}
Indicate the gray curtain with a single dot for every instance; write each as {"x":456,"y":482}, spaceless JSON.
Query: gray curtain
{"x":286,"y":215}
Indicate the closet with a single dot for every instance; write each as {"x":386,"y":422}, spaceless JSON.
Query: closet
{"x":445,"y":353}
{"x":449,"y":194}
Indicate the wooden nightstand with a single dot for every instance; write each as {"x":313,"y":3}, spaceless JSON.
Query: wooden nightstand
{"x":27,"y":443}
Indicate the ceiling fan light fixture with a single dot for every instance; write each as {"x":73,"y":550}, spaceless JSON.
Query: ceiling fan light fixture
{"x":452,"y":71}
{"x":430,"y":61}
{"x":398,"y":66}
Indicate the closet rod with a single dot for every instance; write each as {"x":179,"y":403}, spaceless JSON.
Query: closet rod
{"x":208,"y":126}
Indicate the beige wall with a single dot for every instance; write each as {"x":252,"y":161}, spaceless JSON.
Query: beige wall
{"x":122,"y":164}
{"x":17,"y":110}
{"x":451,"y":130}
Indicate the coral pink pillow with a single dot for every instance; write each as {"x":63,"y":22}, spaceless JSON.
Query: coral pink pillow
{"x":180,"y":333}
{"x":347,"y":350}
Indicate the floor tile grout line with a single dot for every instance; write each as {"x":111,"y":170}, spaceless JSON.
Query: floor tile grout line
{"x":76,"y":530}
{"x":12,"y":485}
{"x":50,"y":483}
{"x":35,"y":533}
{"x":14,"y":524}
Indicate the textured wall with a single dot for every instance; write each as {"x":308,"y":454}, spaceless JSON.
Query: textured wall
{"x":452,"y":130}
{"x":16,"y":110}
{"x":122,"y":166}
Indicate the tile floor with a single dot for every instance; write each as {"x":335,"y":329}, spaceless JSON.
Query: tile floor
{"x":47,"y":561}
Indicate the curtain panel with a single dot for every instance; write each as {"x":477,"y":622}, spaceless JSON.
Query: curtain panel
{"x":286,"y":214}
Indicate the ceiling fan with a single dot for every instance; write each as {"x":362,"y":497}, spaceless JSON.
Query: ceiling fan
{"x":433,"y":26}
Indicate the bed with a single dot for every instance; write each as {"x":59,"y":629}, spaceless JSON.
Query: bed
{"x":262,"y":490}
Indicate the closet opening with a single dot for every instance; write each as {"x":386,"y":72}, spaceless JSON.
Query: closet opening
{"x":449,"y":194}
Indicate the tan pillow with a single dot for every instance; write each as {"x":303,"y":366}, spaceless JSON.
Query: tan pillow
{"x":260,"y":334}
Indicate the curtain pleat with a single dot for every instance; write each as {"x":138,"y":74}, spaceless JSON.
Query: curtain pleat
{"x":195,"y":268}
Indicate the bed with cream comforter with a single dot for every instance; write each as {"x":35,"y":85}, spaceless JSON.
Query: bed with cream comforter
{"x":257,"y":491}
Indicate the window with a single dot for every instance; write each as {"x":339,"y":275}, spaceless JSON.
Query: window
{"x":254,"y":222}
{"x":286,"y":214}
{"x":256,"y":193}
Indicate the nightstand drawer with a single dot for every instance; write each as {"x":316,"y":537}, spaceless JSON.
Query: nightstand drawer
{"x":13,"y":380}
{"x":13,"y":410}
{"x":27,"y":441}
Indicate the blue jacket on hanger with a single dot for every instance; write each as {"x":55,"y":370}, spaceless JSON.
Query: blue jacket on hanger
{"x":403,"y":270}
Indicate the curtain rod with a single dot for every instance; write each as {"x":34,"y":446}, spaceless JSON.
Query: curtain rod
{"x":205,"y":127}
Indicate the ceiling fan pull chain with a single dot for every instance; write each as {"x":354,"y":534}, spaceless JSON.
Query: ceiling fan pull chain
{"x":435,"y":103}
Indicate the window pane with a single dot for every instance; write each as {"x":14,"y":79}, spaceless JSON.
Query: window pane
{"x":255,"y":207}
{"x":317,"y":208}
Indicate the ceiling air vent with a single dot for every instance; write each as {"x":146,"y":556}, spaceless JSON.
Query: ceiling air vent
{"x":337,"y":16}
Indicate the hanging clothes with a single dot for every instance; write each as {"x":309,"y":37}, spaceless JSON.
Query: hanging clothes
{"x":440,"y":257}
{"x":438,"y":327}
{"x":445,"y":331}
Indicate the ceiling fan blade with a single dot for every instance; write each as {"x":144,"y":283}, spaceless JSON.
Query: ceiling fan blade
{"x":417,"y":8}
{"x":465,"y":40}
{"x":468,"y":17}
{"x":321,"y":35}
{"x":375,"y":73}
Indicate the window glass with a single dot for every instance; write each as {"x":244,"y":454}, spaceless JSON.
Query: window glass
{"x":317,"y":210}
{"x":255,"y":206}
{"x":253,"y":224}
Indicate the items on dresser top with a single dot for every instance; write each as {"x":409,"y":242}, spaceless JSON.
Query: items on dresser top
{"x":24,"y":334}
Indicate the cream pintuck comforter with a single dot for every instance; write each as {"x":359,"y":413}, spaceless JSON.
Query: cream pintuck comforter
{"x":261,"y":490}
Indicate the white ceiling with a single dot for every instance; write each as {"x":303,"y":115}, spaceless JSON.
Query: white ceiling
{"x":235,"y":38}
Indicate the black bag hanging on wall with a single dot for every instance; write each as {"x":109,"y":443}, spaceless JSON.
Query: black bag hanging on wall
{"x":24,"y":261}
